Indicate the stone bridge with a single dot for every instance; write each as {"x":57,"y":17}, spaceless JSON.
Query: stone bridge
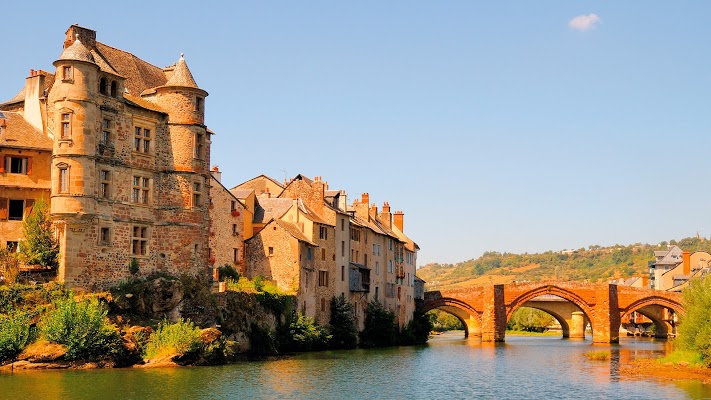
{"x":485,"y":310}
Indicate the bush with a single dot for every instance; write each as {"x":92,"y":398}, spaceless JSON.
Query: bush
{"x":133,"y":267}
{"x":14,"y":335}
{"x":39,"y":246}
{"x":307,"y":335}
{"x":417,"y":330}
{"x":82,"y":327}
{"x":226,"y":272}
{"x":694,"y":329}
{"x":180,"y":338}
{"x":262,"y":341}
{"x":380,"y":329}
{"x":344,"y":334}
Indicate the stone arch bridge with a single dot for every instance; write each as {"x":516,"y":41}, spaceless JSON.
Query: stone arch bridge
{"x":485,"y":310}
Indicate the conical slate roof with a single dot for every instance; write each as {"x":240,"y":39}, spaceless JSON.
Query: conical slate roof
{"x":77,"y":52}
{"x":181,"y":76}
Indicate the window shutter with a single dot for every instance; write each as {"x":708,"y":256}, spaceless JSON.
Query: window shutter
{"x":29,"y":203}
{"x":3,"y":209}
{"x":29,"y":166}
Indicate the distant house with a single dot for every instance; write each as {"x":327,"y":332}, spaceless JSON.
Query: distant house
{"x":673,"y":268}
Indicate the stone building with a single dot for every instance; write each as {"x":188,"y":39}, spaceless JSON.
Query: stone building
{"x":129,"y":170}
{"x":227,"y":226}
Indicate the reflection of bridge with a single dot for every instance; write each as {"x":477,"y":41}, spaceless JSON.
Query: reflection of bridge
{"x":485,"y":310}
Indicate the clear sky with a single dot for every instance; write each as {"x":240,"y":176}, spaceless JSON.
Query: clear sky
{"x":507,"y":126}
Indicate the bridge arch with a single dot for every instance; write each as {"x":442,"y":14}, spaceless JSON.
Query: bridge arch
{"x":564,"y":326}
{"x":653,"y":308}
{"x":465,"y":313}
{"x":575,"y":299}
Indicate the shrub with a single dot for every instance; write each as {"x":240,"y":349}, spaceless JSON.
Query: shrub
{"x":417,"y":330}
{"x":226,"y":272}
{"x":180,"y":338}
{"x":82,"y":327}
{"x":598,"y":355}
{"x":307,"y":335}
{"x":344,"y":334}
{"x":14,"y":334}
{"x":694,"y":329}
{"x":380,"y":329}
{"x":262,"y":341}
{"x":133,"y":267}
{"x":39,"y":246}
{"x":259,"y":283}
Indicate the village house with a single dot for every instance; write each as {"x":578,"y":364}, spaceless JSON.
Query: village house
{"x":120,"y":148}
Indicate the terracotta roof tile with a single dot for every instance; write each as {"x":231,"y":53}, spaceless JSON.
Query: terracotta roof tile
{"x":20,"y":134}
{"x":181,"y":75}
{"x":140,"y":102}
{"x":20,"y":96}
{"x":77,"y":52}
{"x":294,"y":231}
{"x":140,"y":75}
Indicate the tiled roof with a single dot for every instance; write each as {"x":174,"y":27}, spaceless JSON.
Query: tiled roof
{"x":294,"y":231}
{"x":271,"y":208}
{"x":241,"y":193}
{"x":21,"y":134}
{"x":20,"y":96}
{"x":260,"y":177}
{"x":140,"y":75}
{"x":77,"y":52}
{"x":140,"y":102}
{"x":311,"y":214}
{"x":181,"y":75}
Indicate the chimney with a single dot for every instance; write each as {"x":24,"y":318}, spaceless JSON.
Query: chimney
{"x":399,"y":220}
{"x":34,"y":89}
{"x":216,"y":173}
{"x":373,"y":210}
{"x":365,"y":198}
{"x":686,"y":257}
{"x":86,"y":36}
{"x":385,"y":216}
{"x":266,"y":191}
{"x":645,"y":281}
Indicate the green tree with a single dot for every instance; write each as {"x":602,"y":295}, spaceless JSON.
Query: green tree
{"x":694,"y":329}
{"x":529,"y":320}
{"x":380,"y":329}
{"x":342,"y":324}
{"x":39,"y":246}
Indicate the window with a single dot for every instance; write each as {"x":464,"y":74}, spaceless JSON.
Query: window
{"x":343,"y":248}
{"x":196,"y":194}
{"x":67,"y":73}
{"x":114,"y":89}
{"x":105,"y":131}
{"x":379,"y":248}
{"x":323,"y":278}
{"x":376,"y":293}
{"x":18,"y":165}
{"x":235,"y":232}
{"x":235,"y":255}
{"x":104,"y":184}
{"x":199,"y":104}
{"x":104,"y":236}
{"x":102,"y":86}
{"x":139,"y":241}
{"x":357,"y":255}
{"x":390,"y":266}
{"x":343,"y":273}
{"x":377,"y":268}
{"x":271,"y":251}
{"x":355,"y":235}
{"x":141,"y":190}
{"x":374,"y":248}
{"x":199,"y":140}
{"x":63,"y":178}
{"x":66,"y":131}
{"x":323,"y":254}
{"x":12,"y":246}
{"x":343,"y":224}
{"x":323,"y":305}
{"x":233,"y":205}
{"x":323,"y":232}
{"x":16,"y":210}
{"x":308,"y":253}
{"x":142,"y":140}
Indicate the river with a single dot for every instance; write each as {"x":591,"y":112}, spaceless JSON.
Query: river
{"x":449,"y":367}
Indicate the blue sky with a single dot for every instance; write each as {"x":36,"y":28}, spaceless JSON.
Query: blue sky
{"x":493,"y":126}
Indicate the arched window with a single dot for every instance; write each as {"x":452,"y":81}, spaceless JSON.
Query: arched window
{"x":102,"y":86}
{"x":113,"y":88}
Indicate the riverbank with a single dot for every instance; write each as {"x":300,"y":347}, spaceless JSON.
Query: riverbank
{"x":642,"y":368}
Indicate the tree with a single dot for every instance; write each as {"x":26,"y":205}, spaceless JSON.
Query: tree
{"x":380,"y":329}
{"x":39,"y":246}
{"x":529,"y":320}
{"x":694,"y":329}
{"x":342,"y":323}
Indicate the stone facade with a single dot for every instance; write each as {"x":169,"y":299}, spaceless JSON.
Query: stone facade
{"x":130,"y":156}
{"x":227,"y":215}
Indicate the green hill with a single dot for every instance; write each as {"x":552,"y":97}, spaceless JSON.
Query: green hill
{"x":593,"y":264}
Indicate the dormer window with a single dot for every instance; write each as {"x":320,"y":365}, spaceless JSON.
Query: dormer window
{"x":114,"y":89}
{"x":67,"y":73}
{"x":102,"y":86}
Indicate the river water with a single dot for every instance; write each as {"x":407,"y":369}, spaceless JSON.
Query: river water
{"x":449,"y":367}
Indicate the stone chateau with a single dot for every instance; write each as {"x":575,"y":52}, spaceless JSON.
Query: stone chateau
{"x":119,"y":149}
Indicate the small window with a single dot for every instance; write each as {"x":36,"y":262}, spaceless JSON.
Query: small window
{"x":343,"y":248}
{"x":139,"y":241}
{"x":105,"y":131}
{"x":235,"y":232}
{"x":343,"y":273}
{"x":114,"y":89}
{"x":102,"y":86}
{"x":142,"y":140}
{"x":12,"y":246}
{"x":199,"y":139}
{"x":16,"y":165}
{"x":63,"y":178}
{"x":197,"y":194}
{"x":323,"y":278}
{"x":199,"y":104}
{"x":67,"y":73}
{"x":235,"y":255}
{"x":323,"y":233}
{"x":323,"y":305}
{"x":233,"y":205}
{"x":16,"y":210}
{"x":66,"y":131}
{"x":308,"y":253}
{"x":377,"y":268}
{"x":343,"y":224}
{"x":105,"y":236}
{"x":271,"y":251}
{"x":323,"y":254}
{"x":141,"y":190}
{"x":104,"y":184}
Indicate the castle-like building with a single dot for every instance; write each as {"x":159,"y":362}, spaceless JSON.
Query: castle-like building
{"x":120,"y":149}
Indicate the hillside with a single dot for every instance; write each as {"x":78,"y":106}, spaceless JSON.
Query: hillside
{"x":593,"y":264}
